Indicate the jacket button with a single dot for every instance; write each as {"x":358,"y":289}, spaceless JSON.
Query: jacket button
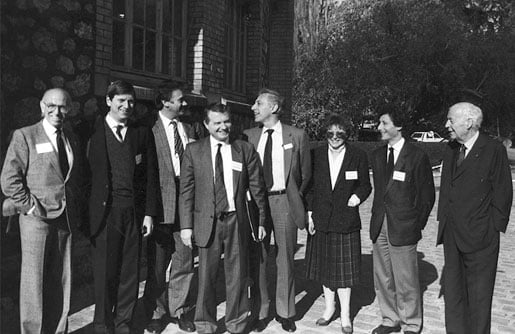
{"x":107,"y":186}
{"x":104,"y":203}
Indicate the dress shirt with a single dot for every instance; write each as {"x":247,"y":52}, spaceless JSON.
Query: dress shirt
{"x":277,"y":154}
{"x":469,"y":143}
{"x":114,"y":124}
{"x":397,"y":147}
{"x":167,"y":123}
{"x":226,"y":152}
{"x":51,"y":133}
{"x":335,"y":164}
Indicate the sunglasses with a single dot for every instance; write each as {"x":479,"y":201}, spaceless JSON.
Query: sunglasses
{"x":338,"y":134}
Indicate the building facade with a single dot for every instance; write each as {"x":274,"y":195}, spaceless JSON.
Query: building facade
{"x":222,"y":50}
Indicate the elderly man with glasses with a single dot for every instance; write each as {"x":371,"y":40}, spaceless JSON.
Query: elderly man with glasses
{"x":42,"y":180}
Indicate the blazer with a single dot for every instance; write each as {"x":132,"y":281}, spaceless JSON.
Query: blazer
{"x":406,"y":203}
{"x":146,"y":183}
{"x":297,"y":168}
{"x":167,"y":197}
{"x":197,"y":201}
{"x":31,"y":176}
{"x":475,"y":198}
{"x":329,"y":206}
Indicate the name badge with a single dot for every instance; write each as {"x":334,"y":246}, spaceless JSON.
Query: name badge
{"x":399,"y":176}
{"x":236,"y":166}
{"x":138,"y":159}
{"x":44,"y":148}
{"x":351,"y":175}
{"x":288,"y":146}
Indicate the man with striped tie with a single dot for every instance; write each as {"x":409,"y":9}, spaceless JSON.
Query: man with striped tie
{"x":171,"y":136}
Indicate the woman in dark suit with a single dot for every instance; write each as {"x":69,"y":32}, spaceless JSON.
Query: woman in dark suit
{"x":340,"y":183}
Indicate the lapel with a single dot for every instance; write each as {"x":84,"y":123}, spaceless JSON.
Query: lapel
{"x":41,"y":137}
{"x":255,"y":136}
{"x":74,"y":147}
{"x":207,"y":161}
{"x":237,"y":156}
{"x":287,"y":139}
{"x":399,"y":164}
{"x":346,"y":161}
{"x":381,"y":165}
{"x":132,"y":139}
{"x":163,"y":148}
{"x":472,"y":156}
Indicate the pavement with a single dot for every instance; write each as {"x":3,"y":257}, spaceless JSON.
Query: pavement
{"x":365,"y":312}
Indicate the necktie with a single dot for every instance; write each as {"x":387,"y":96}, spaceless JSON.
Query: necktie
{"x":63,"y":157}
{"x":177,"y":142}
{"x":267,"y":161}
{"x":221,"y":203}
{"x":119,"y":133}
{"x":389,"y":166}
{"x":461,"y":155}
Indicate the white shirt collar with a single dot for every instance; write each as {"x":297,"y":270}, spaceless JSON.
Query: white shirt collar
{"x":278,"y":128}
{"x":398,"y":145}
{"x":469,"y":143}
{"x":166,"y":120}
{"x":49,"y":128}
{"x":112,"y":122}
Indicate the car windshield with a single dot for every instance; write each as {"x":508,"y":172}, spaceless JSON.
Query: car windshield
{"x":417,"y":135}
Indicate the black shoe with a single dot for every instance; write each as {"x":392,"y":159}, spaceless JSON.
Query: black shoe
{"x":156,"y":326}
{"x":381,"y":329}
{"x":184,"y":324}
{"x":411,"y":332}
{"x":287,"y":324}
{"x":259,"y":325}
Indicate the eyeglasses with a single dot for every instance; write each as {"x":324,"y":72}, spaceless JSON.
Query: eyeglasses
{"x":338,"y":134}
{"x":54,"y":107}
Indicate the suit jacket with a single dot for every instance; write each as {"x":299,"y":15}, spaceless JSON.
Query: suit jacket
{"x":329,"y":206}
{"x":406,"y":204}
{"x":167,"y":200}
{"x":475,"y":198}
{"x":146,"y":183}
{"x":297,"y":168}
{"x":31,"y":176}
{"x":197,"y":201}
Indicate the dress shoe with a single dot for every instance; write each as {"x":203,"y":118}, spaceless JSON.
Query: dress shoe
{"x":381,"y":329}
{"x":184,"y":324}
{"x":259,"y":325}
{"x":411,"y":332}
{"x":323,"y":322}
{"x":156,"y":326}
{"x":287,"y":324}
{"x":347,"y":330}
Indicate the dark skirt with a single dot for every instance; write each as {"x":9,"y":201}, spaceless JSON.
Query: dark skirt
{"x":334,"y":259}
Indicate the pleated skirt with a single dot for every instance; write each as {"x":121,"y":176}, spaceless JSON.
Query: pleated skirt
{"x":334,"y":259}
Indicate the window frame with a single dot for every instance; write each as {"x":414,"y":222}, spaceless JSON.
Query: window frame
{"x":235,"y":22}
{"x":160,"y":34}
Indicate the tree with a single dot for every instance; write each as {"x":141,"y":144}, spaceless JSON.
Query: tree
{"x":420,"y":55}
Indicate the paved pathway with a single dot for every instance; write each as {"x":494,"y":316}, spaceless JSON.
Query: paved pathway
{"x":364,"y":308}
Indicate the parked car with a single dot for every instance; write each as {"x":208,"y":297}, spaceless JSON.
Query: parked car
{"x":428,"y":137}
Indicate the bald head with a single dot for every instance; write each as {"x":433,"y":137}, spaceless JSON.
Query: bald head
{"x":55,"y":105}
{"x":463,"y":121}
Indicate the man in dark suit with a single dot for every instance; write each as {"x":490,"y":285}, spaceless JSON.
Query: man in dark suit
{"x":124,"y":185}
{"x":476,"y":194}
{"x":284,"y":151}
{"x":42,"y":180}
{"x":216,"y":175}
{"x":404,"y":195}
{"x":165,"y":244}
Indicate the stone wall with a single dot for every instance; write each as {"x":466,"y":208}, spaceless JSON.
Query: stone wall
{"x":46,"y":44}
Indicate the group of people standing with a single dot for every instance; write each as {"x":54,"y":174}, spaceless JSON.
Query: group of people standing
{"x":181,"y":192}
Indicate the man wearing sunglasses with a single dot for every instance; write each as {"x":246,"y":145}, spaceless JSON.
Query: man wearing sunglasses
{"x":284,"y":152}
{"x":404,"y":195}
{"x":42,"y":179}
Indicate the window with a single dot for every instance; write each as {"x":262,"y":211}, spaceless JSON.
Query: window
{"x":150,"y":35}
{"x":235,"y":46}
